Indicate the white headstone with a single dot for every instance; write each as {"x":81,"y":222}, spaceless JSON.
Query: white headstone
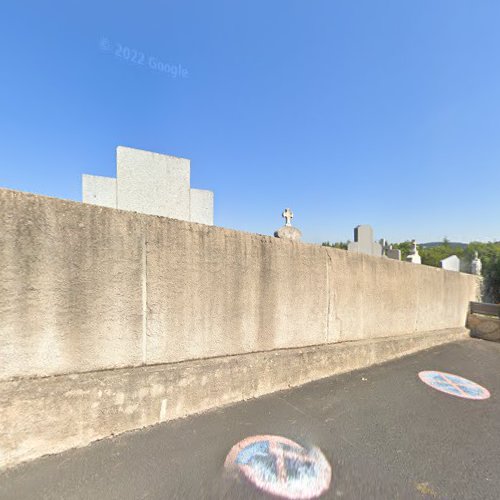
{"x":451,"y":263}
{"x":414,"y":256}
{"x":476,"y":265}
{"x":363,"y":242}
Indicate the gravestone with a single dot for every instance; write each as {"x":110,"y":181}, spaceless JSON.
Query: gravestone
{"x":287,"y":231}
{"x":476,"y":265}
{"x":388,"y":251}
{"x":414,"y":256}
{"x":451,"y":263}
{"x":364,"y":243}
{"x":393,"y":253}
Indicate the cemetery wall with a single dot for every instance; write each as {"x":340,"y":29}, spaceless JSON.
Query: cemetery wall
{"x":51,"y":414}
{"x":112,"y":320}
{"x":87,"y":288}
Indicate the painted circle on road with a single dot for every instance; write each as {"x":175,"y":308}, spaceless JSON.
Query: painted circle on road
{"x":281,"y":467}
{"x":454,"y":385}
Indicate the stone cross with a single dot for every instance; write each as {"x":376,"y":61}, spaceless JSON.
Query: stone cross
{"x":288,"y":216}
{"x":288,"y":231}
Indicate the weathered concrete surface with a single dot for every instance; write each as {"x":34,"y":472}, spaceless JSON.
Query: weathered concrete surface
{"x":71,"y":279}
{"x":213,"y":292}
{"x":374,"y":297}
{"x":484,"y":327}
{"x":385,"y":433}
{"x":87,"y":288}
{"x":52,"y":414}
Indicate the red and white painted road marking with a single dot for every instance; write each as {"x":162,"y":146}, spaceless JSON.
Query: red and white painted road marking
{"x":454,"y":385}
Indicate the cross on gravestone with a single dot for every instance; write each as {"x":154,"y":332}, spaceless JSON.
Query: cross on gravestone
{"x":288,"y":216}
{"x":288,"y":231}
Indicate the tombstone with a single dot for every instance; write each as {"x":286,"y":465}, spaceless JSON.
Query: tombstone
{"x":476,"y":265}
{"x":363,"y":242}
{"x":393,"y":253}
{"x":451,"y":263}
{"x":414,"y":256}
{"x":288,"y":232}
{"x":388,"y":251}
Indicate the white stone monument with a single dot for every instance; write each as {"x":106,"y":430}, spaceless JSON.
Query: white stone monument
{"x":414,"y":256}
{"x":476,"y":265}
{"x":288,"y":231}
{"x":451,"y":263}
{"x":364,"y":243}
{"x":150,"y":183}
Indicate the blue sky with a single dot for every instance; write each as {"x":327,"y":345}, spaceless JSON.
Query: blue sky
{"x":384,"y":112}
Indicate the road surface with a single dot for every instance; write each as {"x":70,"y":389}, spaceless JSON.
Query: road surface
{"x":384,"y":433}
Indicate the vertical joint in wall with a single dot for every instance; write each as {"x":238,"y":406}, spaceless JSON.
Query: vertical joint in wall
{"x":144,"y":298}
{"x":328,"y":293}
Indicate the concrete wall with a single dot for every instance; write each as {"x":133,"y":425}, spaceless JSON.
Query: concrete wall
{"x":87,"y":288}
{"x":52,"y":414}
{"x":70,"y":286}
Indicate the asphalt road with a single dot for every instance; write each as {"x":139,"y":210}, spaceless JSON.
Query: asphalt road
{"x":385,"y":434}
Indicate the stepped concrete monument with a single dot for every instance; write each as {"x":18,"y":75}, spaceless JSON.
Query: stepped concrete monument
{"x":150,"y":183}
{"x":414,"y":256}
{"x":288,"y":231}
{"x":364,"y":243}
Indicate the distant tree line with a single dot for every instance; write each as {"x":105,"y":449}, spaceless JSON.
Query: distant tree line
{"x":489,"y":253}
{"x":340,"y":244}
